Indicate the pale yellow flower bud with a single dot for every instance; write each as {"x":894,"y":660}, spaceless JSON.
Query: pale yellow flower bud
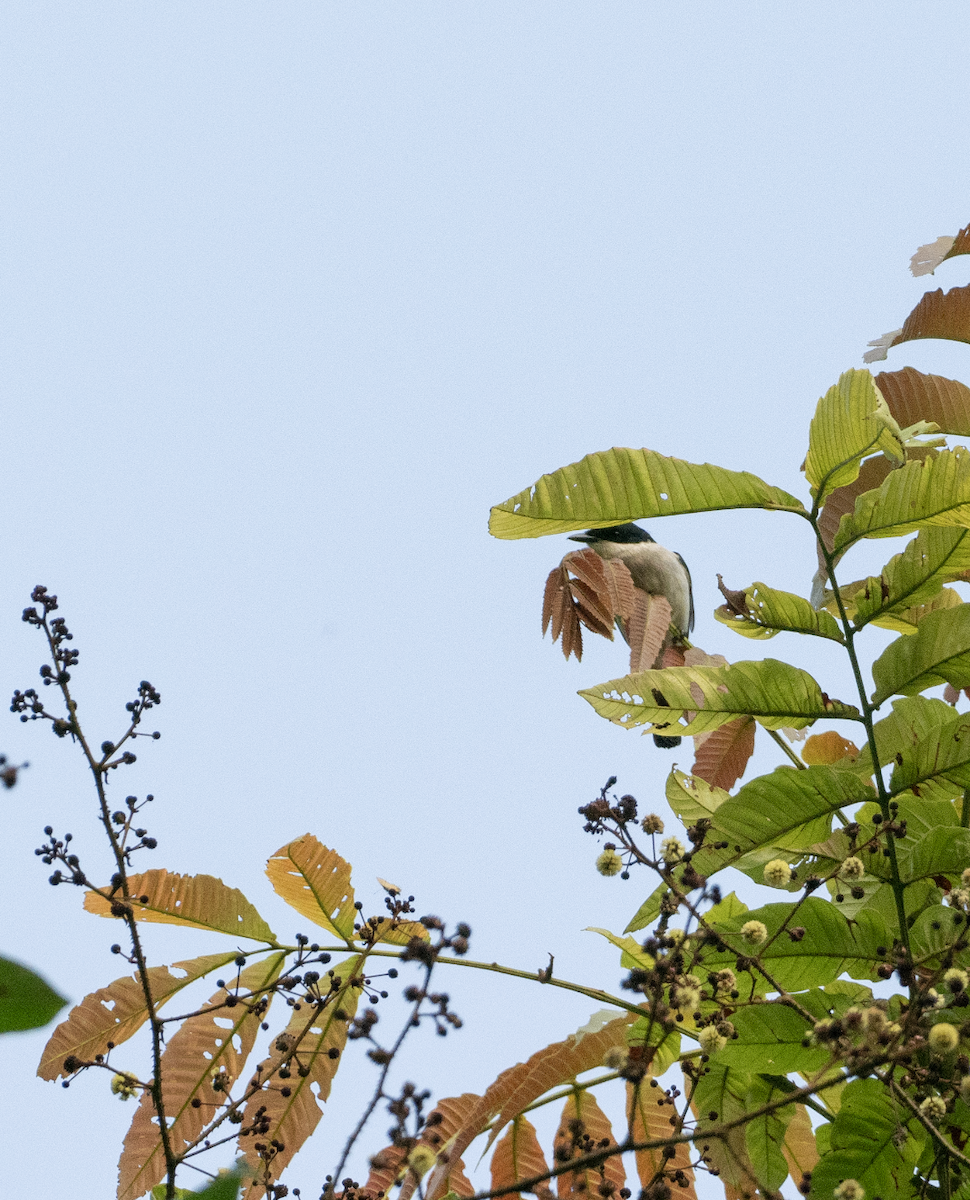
{"x":943,"y":1038}
{"x":777,"y":873}
{"x":754,"y":932}
{"x":609,"y":863}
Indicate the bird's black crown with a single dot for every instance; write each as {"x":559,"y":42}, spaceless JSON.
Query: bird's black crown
{"x":616,"y":533}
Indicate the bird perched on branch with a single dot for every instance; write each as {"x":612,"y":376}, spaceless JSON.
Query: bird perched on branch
{"x":654,"y":570}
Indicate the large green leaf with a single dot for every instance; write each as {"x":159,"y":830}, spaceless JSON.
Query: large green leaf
{"x":618,"y":485}
{"x":939,"y":765}
{"x":911,"y":722}
{"x":938,"y":652}
{"x":934,"y":934}
{"x":788,"y":809}
{"x":866,"y":1144}
{"x":942,"y":851}
{"x":720,"y":1096}
{"x":770,"y":1039}
{"x":934,"y":491}
{"x":765,"y":1134}
{"x":934,"y":557}
{"x":769,"y":611}
{"x":829,"y":947}
{"x":696,"y":699}
{"x":852,"y":421}
{"x":26,"y":1000}
{"x":691,"y":797}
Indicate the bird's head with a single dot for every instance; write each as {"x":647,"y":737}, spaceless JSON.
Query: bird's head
{"x":621,"y":534}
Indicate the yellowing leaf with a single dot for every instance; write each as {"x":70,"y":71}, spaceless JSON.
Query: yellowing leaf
{"x":928,"y":258}
{"x":200,"y":901}
{"x":799,"y":1147}
{"x":316,"y":882}
{"x":763,"y":612}
{"x":115,"y":1012}
{"x":695,"y":699}
{"x":211,"y":1046}
{"x":931,"y":491}
{"x":851,"y":422}
{"x":619,"y":485}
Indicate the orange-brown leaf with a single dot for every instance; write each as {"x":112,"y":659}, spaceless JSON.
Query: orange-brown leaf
{"x":443,"y":1122}
{"x":648,"y":1121}
{"x":912,"y":396}
{"x":519,"y":1156}
{"x":586,"y":590}
{"x":583,"y":1128}
{"x":115,"y":1012}
{"x":385,"y":1167}
{"x":518,"y":1086}
{"x":721,"y":756}
{"x":217,"y":1041}
{"x":647,"y":630}
{"x":310,"y":1037}
{"x":824,"y":749}
{"x":201,"y":901}
{"x":316,"y":882}
{"x":799,"y":1147}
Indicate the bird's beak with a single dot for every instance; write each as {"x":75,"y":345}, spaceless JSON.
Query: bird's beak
{"x":580,"y":537}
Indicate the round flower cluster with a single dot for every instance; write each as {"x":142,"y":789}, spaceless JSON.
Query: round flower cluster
{"x":777,"y":873}
{"x":849,"y":1189}
{"x":853,"y":868}
{"x":754,"y":932}
{"x":944,"y":1038}
{"x":610,"y":862}
{"x":672,"y":850}
{"x":933,"y":1108}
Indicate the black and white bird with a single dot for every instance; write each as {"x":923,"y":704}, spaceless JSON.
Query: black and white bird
{"x":654,"y":570}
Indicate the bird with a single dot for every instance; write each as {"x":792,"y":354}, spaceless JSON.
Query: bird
{"x":654,"y":570}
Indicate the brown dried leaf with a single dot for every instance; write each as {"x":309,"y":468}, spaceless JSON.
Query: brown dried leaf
{"x":798,"y":1146}
{"x":622,"y":589}
{"x":559,"y":610}
{"x":200,"y":901}
{"x":519,"y":1156}
{"x":938,"y":315}
{"x":927,"y":258}
{"x":316,"y":882}
{"x":912,"y":396}
{"x":219,"y":1040}
{"x":115,"y":1012}
{"x":824,"y":749}
{"x":591,"y":585}
{"x":518,"y":1086}
{"x":293,"y":1118}
{"x":595,"y":1129}
{"x":647,"y":630}
{"x":585,"y":590}
{"x":721,"y":756}
{"x":649,"y":1121}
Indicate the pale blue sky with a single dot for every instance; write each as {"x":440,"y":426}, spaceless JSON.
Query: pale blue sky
{"x":292,"y":293}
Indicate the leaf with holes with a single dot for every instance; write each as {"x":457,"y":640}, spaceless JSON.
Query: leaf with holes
{"x":114,"y":1013}
{"x":200,"y":901}
{"x":938,"y":652}
{"x":619,"y":485}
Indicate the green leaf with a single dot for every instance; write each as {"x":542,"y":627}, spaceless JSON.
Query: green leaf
{"x":724,"y":1091}
{"x":633,"y":956}
{"x":935,"y":932}
{"x":911,"y":722}
{"x":830,"y":946}
{"x":788,"y":809}
{"x":26,"y":1001}
{"x":665,"y":1043}
{"x":852,"y":421}
{"x":770,"y":1039}
{"x":770,"y":611}
{"x":938,"y":652}
{"x":691,"y":797}
{"x":934,"y":557}
{"x":619,"y":485}
{"x":764,"y":1134}
{"x":865,"y":1137}
{"x":695,"y":699}
{"x":648,"y":911}
{"x":944,"y":851}
{"x":938,"y":767}
{"x":933,"y":491}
